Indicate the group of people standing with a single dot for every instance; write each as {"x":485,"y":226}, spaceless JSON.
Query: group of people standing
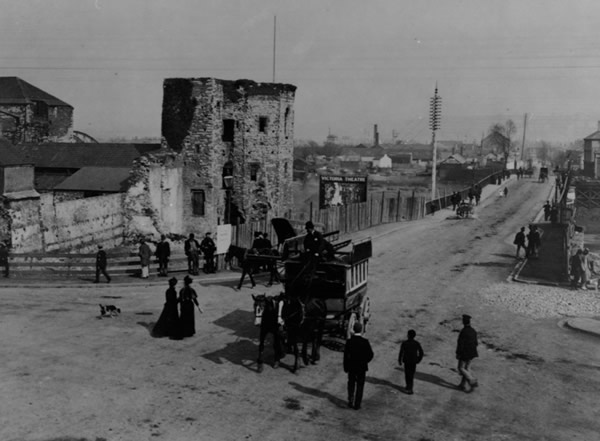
{"x":194,"y":249}
{"x":177,"y":319}
{"x":581,"y":269}
{"x":358,"y":354}
{"x":530,"y":242}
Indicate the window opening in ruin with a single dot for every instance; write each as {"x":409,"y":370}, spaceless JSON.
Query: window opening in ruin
{"x":198,"y":202}
{"x":285,"y":123}
{"x":228,"y":130}
{"x":197,"y":149}
{"x":40,"y":109}
{"x":254,"y":171}
{"x":262,"y":124}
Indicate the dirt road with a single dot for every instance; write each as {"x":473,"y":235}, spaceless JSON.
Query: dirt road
{"x":67,"y":374}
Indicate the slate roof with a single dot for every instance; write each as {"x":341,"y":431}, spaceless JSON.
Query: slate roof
{"x":105,"y":179}
{"x":14,"y":90}
{"x":593,"y":136}
{"x":9,"y":156}
{"x":76,"y":155}
{"x":48,"y":182}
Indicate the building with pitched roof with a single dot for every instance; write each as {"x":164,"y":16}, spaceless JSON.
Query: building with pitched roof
{"x":29,"y":114}
{"x":591,"y":154}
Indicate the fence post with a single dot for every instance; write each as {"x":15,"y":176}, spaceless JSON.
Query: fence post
{"x":397,"y":206}
{"x":371,"y":213}
{"x":381,"y":209}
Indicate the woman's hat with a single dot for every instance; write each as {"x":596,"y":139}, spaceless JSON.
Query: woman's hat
{"x":187,"y":279}
{"x":172,"y":281}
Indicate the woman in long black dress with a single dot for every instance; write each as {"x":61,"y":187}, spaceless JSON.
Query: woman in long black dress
{"x":188,"y":298}
{"x":168,"y":322}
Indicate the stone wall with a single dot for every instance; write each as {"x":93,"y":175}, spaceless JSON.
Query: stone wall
{"x":153,"y":203}
{"x":25,"y":225}
{"x":81,"y":224}
{"x":61,"y":123}
{"x":23,"y":126}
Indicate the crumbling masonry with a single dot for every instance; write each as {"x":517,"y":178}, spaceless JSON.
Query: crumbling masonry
{"x":226,"y":157}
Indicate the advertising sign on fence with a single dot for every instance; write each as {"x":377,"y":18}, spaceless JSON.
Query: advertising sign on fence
{"x":342,"y":190}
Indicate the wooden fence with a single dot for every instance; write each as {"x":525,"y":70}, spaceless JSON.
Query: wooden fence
{"x":380,"y":208}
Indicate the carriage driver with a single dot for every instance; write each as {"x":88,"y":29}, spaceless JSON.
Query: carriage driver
{"x":313,"y":242}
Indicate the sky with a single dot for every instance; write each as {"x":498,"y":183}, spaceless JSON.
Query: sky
{"x":355,"y":63}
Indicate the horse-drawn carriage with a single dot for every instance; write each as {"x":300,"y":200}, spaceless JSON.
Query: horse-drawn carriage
{"x":465,"y":209}
{"x":339,"y":278}
{"x":322,"y":295}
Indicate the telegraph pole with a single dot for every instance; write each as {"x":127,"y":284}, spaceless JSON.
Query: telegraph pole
{"x":524,"y":131}
{"x":435,"y":118}
{"x":274,"y":43}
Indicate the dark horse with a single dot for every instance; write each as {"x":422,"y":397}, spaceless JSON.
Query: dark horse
{"x":304,"y":322}
{"x":266,"y":314}
{"x":250,"y":262}
{"x":248,"y":267}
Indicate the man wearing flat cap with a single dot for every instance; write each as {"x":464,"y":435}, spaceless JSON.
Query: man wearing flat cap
{"x":466,"y":351}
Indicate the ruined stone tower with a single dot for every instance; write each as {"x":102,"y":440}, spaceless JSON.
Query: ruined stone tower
{"x":236,"y":142}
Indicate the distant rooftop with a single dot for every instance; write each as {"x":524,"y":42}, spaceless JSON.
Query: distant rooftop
{"x":14,"y":90}
{"x":78,"y":155}
{"x":102,"y":179}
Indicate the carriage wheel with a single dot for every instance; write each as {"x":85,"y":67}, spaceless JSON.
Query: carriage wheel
{"x":350,"y":325}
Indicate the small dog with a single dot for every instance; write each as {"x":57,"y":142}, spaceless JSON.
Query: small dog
{"x":109,"y":310}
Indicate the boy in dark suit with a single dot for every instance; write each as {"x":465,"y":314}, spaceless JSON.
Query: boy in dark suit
{"x":410,"y":355}
{"x":357,"y":355}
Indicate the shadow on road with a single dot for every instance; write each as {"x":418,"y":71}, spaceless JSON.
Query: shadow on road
{"x":319,"y":394}
{"x":239,"y":321}
{"x":242,"y":353}
{"x":386,"y":383}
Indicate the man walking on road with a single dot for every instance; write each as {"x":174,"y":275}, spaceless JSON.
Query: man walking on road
{"x":520,"y":241}
{"x":411,"y":354}
{"x":466,"y":351}
{"x":101,"y":262}
{"x":357,"y":355}
{"x":4,"y":257}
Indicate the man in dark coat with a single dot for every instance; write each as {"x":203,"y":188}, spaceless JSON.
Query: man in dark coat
{"x":101,"y":262}
{"x":4,"y":257}
{"x":208,"y":248}
{"x":313,"y":242}
{"x":192,"y":251}
{"x":357,"y":355}
{"x":411,"y":354}
{"x":162,"y":253}
{"x":533,"y":241}
{"x":520,"y":241}
{"x":466,"y":351}
{"x":547,"y":208}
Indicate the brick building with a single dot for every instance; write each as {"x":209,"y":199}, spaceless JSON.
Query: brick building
{"x":28,"y":114}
